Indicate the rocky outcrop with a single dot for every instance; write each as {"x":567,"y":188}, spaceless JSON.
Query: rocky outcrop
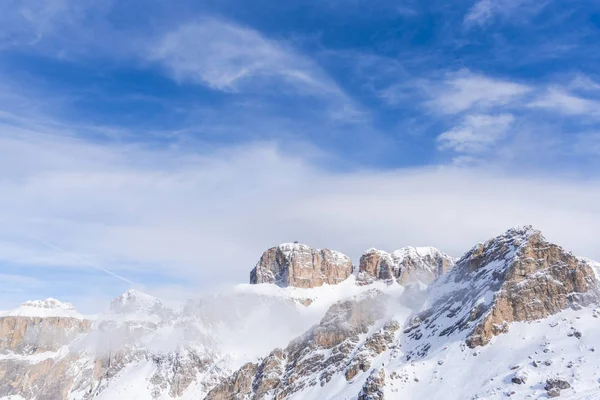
{"x":49,"y":378}
{"x":373,"y":387}
{"x":298,"y":265}
{"x":518,"y":276}
{"x":555,"y":385}
{"x":236,"y":387}
{"x":31,"y":335}
{"x":406,"y":265}
{"x":334,"y":346}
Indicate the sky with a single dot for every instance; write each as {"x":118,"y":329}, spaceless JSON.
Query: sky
{"x":165,"y":145}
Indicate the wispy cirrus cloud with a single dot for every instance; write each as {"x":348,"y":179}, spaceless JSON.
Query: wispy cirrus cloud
{"x":26,"y":22}
{"x":567,"y":103}
{"x":476,"y":133}
{"x":485,"y":119}
{"x":464,"y":90}
{"x":229,"y":57}
{"x":483,"y":12}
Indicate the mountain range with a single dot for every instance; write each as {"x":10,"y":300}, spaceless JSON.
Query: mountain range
{"x":514,"y":317}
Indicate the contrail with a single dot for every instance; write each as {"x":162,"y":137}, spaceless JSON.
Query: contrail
{"x":86,"y":262}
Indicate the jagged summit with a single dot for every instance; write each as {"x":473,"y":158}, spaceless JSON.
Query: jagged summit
{"x":139,"y":305}
{"x":299,"y":265}
{"x":405,"y":265}
{"x":517,"y":276}
{"x":133,"y":299}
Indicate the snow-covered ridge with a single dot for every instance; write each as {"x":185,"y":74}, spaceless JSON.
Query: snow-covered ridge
{"x":133,"y":300}
{"x":410,"y":251}
{"x":406,"y":265}
{"x":44,"y":309}
{"x":288,"y":248}
{"x":134,"y":305}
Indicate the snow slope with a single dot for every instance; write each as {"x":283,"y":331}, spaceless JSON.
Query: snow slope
{"x":538,"y":350}
{"x":142,"y":349}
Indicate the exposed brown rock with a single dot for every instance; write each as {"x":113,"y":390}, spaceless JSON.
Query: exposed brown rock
{"x":303,"y":363}
{"x":376,"y":265}
{"x":518,"y":276}
{"x":236,"y":387}
{"x":84,"y":357}
{"x":49,"y":378}
{"x":30,"y":335}
{"x":301,"y":266}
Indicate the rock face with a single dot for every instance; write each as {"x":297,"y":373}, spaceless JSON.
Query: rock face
{"x":332,"y":347}
{"x":518,"y":276}
{"x":30,"y":337}
{"x":298,"y":265}
{"x":406,"y":265}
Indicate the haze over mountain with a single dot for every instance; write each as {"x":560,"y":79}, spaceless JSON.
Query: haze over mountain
{"x":515,"y":316}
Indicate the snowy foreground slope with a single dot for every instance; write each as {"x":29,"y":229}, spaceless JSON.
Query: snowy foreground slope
{"x":515,"y":317}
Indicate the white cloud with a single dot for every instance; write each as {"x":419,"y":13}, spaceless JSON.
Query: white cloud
{"x":28,"y":22}
{"x":225,"y":56}
{"x":464,"y":91}
{"x":207,"y":218}
{"x":476,"y":133}
{"x":584,"y":83}
{"x":564,"y":102}
{"x":232,"y":58}
{"x":484,"y":11}
{"x":481,"y":12}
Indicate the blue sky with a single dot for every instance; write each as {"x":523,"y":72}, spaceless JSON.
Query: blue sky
{"x":172,"y":142}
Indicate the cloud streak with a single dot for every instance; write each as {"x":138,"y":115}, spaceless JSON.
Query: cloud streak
{"x":232,"y":58}
{"x":483,"y":12}
{"x":465,"y":90}
{"x":477,"y":133}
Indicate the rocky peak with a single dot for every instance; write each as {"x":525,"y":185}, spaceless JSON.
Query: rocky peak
{"x":138,"y":304}
{"x":405,"y":265}
{"x":298,"y":265}
{"x":517,"y":276}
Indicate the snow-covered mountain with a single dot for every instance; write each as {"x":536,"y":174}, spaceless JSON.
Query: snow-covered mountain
{"x":44,"y":308}
{"x":406,"y":265}
{"x":514,"y":317}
